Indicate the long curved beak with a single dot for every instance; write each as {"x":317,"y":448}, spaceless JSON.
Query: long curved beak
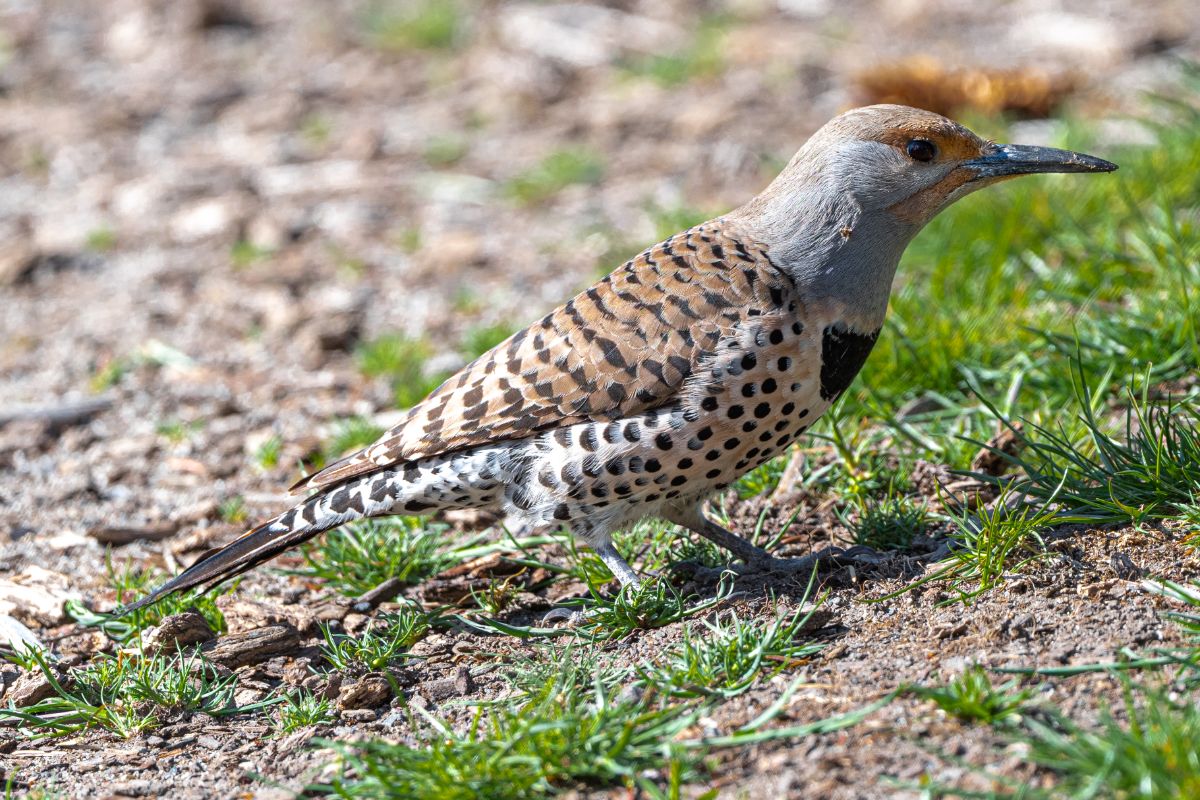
{"x":1019,"y":159}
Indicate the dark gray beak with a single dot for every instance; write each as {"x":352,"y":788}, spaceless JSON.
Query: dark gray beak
{"x":1020,"y":159}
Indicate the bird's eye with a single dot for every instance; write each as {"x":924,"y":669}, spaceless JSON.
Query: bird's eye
{"x":921,"y":150}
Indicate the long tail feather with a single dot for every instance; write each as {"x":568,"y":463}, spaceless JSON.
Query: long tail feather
{"x":256,"y":546}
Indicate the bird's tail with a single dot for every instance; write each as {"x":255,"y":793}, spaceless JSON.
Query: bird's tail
{"x":252,"y":548}
{"x":468,"y":479}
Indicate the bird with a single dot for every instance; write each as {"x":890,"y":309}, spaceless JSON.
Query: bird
{"x":684,"y":368}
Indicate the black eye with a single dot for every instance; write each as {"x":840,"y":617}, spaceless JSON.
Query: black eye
{"x":921,"y":150}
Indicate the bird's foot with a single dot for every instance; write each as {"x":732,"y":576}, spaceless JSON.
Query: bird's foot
{"x":569,"y":617}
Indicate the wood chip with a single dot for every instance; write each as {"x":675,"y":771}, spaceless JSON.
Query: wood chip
{"x":252,"y":647}
{"x":124,"y":534}
{"x":59,"y":414}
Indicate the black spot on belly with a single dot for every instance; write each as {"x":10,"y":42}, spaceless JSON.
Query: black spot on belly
{"x":843,"y":353}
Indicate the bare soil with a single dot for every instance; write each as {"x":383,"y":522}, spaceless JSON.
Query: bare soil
{"x":206,"y":206}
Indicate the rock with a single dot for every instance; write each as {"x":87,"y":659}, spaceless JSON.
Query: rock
{"x":36,"y":595}
{"x":33,"y":687}
{"x":210,"y":217}
{"x":178,"y":630}
{"x":15,"y":635}
{"x":358,"y":715}
{"x":369,"y":691}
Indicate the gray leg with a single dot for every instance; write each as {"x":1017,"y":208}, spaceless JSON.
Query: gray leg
{"x":694,"y":520}
{"x":617,"y":565}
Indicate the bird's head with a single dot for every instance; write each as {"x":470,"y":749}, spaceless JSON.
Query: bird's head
{"x":911,"y":163}
{"x":839,"y":216}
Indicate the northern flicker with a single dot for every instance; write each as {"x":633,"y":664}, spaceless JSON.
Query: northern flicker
{"x":686,"y":367}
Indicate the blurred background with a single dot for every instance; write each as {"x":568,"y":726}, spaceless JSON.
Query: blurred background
{"x":239,"y":233}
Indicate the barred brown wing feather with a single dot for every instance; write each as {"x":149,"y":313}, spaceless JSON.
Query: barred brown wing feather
{"x":625,"y":345}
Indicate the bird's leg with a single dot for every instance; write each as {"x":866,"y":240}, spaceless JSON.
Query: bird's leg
{"x":694,"y":520}
{"x":617,"y":565}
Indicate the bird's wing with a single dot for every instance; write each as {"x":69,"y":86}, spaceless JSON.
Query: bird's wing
{"x":625,"y":345}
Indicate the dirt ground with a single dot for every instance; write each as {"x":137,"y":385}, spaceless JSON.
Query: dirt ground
{"x":205,"y":207}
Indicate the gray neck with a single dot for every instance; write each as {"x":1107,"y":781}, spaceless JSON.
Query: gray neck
{"x":828,"y":244}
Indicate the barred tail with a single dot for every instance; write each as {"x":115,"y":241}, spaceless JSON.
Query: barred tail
{"x":468,"y":479}
{"x":254,"y":547}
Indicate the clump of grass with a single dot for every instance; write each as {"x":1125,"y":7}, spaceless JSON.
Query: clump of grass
{"x":987,"y":544}
{"x":763,"y":479}
{"x":730,"y":655}
{"x":109,"y":374}
{"x":101,"y":240}
{"x":130,"y":583}
{"x":302,"y":709}
{"x":267,"y":453}
{"x":1150,"y":754}
{"x":570,"y":725}
{"x":652,"y":605}
{"x":176,"y":431}
{"x":498,"y":594}
{"x":245,"y":253}
{"x":349,"y":435}
{"x":125,"y":694}
{"x":670,"y":220}
{"x":386,"y":640}
{"x":700,"y":58}
{"x":1151,"y":472}
{"x":479,"y":340}
{"x":554,"y":173}
{"x":444,"y":151}
{"x":233,"y":510}
{"x":890,"y":524}
{"x":402,"y":361}
{"x":362,"y":555}
{"x":574,"y":729}
{"x":972,"y":697}
{"x":413,"y":24}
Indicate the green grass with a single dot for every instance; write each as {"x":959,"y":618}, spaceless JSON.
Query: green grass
{"x":266,"y":455}
{"x":349,"y":435}
{"x":125,"y":694}
{"x":555,"y":172}
{"x":233,"y":510}
{"x":402,"y":25}
{"x":385,"y":641}
{"x":1150,"y":470}
{"x":302,"y":709}
{"x":971,"y":697}
{"x":1144,"y":751}
{"x":727,"y":656}
{"x":1151,"y":753}
{"x":762,"y":479}
{"x":570,"y":724}
{"x":479,"y":340}
{"x":575,"y":729}
{"x":986,"y":545}
{"x":130,"y":583}
{"x":362,"y":555}
{"x":890,"y":524}
{"x":402,"y":361}
{"x":699,"y":58}
{"x":101,"y":240}
{"x":445,"y":151}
